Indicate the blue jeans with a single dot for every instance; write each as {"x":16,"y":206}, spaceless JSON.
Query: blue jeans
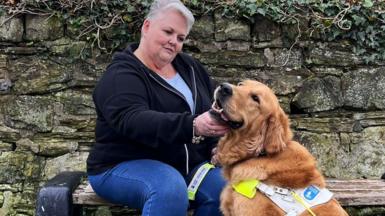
{"x":158,"y":189}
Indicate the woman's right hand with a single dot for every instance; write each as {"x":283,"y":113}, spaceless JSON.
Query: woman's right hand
{"x":206,"y":125}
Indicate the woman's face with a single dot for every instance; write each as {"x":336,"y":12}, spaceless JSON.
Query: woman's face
{"x":164,"y":36}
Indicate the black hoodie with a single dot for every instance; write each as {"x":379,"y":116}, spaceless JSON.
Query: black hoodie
{"x":140,"y":116}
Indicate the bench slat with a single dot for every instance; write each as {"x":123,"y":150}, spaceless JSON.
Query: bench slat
{"x":85,"y":195}
{"x":358,"y":192}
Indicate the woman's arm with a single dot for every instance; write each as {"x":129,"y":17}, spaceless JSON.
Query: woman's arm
{"x":123,"y":101}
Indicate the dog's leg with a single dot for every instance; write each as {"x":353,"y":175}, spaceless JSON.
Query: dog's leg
{"x":249,"y":169}
{"x":228,"y":158}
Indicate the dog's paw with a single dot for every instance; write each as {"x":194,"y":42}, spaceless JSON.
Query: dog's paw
{"x":214,"y":161}
{"x":214,"y":156}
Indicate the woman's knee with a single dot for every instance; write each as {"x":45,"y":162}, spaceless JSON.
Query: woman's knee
{"x":163,"y":181}
{"x":171,"y":185}
{"x":168,"y":192}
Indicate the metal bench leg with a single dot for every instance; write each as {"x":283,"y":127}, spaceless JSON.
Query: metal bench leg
{"x":55,"y":197}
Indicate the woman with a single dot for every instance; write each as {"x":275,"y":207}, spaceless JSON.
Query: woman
{"x":153,"y":130}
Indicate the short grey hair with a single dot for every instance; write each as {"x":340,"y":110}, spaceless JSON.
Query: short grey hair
{"x":159,"y":6}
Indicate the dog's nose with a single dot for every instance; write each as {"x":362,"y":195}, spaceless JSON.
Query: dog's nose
{"x":225,"y":89}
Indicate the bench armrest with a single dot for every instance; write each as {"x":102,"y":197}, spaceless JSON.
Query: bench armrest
{"x":55,"y":197}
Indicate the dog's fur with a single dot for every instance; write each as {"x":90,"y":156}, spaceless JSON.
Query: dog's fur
{"x":264,"y":129}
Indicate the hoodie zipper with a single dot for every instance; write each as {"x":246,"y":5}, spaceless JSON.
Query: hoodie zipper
{"x":195,"y":106}
{"x":192,"y":111}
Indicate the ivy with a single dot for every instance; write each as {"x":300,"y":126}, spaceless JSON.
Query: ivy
{"x":109,"y":24}
{"x":360,"y":22}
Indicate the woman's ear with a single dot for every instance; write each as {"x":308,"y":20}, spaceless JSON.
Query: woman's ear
{"x":145,"y":26}
{"x":278,"y":132}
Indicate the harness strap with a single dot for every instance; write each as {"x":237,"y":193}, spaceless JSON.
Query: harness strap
{"x":247,"y":188}
{"x":299,"y":199}
{"x":197,"y":180}
{"x":293,"y":202}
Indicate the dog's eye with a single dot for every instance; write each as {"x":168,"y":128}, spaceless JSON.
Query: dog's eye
{"x":255,"y":98}
{"x":239,"y":84}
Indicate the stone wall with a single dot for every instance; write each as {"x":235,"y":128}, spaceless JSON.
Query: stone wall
{"x":335,"y":101}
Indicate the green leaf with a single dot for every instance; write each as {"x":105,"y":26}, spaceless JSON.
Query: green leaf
{"x":130,"y":8}
{"x":261,"y":11}
{"x":361,"y":36}
{"x":252,"y":9}
{"x":368,"y":3}
{"x":127,"y":18}
{"x":358,"y":20}
{"x":2,"y":11}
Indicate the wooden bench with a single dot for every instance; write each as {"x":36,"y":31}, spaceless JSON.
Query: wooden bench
{"x":68,"y":192}
{"x":360,"y":192}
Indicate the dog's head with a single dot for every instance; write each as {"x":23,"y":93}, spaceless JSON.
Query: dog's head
{"x":252,"y":110}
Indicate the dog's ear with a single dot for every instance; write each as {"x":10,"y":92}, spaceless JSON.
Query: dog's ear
{"x":278,"y":132}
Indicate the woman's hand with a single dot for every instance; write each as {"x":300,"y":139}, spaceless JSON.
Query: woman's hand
{"x":206,"y":125}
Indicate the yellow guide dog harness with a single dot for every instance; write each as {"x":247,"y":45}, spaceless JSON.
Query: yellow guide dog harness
{"x":293,"y":202}
{"x":197,"y":180}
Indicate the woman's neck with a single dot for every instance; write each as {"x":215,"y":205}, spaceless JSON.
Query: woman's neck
{"x":165,"y":70}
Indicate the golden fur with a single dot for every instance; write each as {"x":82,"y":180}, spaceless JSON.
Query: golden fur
{"x":286,"y":163}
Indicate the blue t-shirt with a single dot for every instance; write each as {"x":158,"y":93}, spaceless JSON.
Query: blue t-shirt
{"x":179,"y":84}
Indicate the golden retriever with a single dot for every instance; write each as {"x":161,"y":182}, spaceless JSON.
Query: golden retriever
{"x":260,"y":146}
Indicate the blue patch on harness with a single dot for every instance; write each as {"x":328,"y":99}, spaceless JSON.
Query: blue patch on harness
{"x":311,"y":192}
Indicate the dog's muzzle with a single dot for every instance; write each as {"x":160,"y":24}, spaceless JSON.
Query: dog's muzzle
{"x":222,"y":94}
